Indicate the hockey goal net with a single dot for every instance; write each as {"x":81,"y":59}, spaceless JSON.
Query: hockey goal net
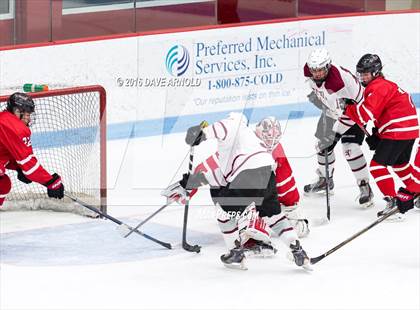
{"x":69,"y":138}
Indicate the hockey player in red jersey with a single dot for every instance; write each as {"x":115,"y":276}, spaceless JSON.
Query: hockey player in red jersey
{"x":16,"y":149}
{"x":396,"y":128}
{"x":330,"y":85}
{"x":243,"y":188}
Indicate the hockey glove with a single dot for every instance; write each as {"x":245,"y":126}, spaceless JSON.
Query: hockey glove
{"x":21,"y":177}
{"x":195,"y":135}
{"x":55,"y":187}
{"x":405,"y":200}
{"x":373,"y":140}
{"x":175,"y":193}
{"x":328,"y":142}
{"x":313,"y":98}
{"x":193,"y":181}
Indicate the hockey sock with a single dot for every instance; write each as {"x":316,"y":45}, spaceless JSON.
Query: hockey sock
{"x":404,"y":172}
{"x":383,"y":178}
{"x":356,"y":160}
{"x":228,"y":226}
{"x":321,"y":163}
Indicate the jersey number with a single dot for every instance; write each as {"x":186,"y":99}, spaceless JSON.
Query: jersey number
{"x":27,"y":141}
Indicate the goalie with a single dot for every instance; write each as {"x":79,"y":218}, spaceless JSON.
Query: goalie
{"x":244,"y":193}
{"x":16,"y":149}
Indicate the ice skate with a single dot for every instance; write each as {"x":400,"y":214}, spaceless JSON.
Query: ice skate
{"x":391,"y":204}
{"x":319,"y":186}
{"x":300,"y":257}
{"x":366,"y":195}
{"x":256,"y":248}
{"x":235,"y":259}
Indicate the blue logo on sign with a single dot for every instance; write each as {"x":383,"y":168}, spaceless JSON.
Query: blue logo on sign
{"x":177,"y":60}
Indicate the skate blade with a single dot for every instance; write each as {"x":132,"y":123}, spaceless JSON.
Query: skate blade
{"x":367,"y":205}
{"x":395,"y":218}
{"x":237,"y":266}
{"x":307,"y":265}
{"x":318,"y":194}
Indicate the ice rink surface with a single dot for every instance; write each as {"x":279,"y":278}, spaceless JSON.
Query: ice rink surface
{"x":54,"y":260}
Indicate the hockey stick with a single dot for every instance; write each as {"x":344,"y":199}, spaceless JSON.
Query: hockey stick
{"x":317,"y":259}
{"x":154,"y":213}
{"x":145,"y":220}
{"x":185,"y":245}
{"x":327,"y":170}
{"x":122,"y":226}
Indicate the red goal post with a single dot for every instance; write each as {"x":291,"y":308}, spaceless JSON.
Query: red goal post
{"x":68,"y":137}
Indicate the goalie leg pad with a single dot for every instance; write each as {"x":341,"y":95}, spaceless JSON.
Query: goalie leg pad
{"x":282,"y":228}
{"x":299,"y":222}
{"x":252,"y":226}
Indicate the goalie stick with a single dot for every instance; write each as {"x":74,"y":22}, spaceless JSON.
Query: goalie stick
{"x":379,"y":220}
{"x":122,"y":226}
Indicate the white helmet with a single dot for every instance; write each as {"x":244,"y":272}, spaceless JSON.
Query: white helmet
{"x":319,"y":59}
{"x":269,"y":131}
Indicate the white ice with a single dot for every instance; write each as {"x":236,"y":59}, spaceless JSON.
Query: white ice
{"x":53,"y":260}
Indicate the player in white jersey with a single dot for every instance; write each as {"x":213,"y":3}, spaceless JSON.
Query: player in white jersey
{"x":331,"y":86}
{"x":243,"y":189}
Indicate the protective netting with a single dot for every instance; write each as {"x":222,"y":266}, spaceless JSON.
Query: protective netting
{"x":66,"y":138}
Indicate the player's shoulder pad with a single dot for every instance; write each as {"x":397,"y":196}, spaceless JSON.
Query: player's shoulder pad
{"x":13,"y":124}
{"x":334,"y":81}
{"x":380,"y":86}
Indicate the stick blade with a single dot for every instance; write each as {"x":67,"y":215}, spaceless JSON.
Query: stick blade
{"x":314,"y":260}
{"x":191,"y":248}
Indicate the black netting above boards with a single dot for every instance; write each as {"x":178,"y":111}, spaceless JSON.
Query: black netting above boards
{"x":69,"y":138}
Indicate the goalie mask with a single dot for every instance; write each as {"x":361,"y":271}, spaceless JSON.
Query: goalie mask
{"x":319,"y":62}
{"x":269,"y":131}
